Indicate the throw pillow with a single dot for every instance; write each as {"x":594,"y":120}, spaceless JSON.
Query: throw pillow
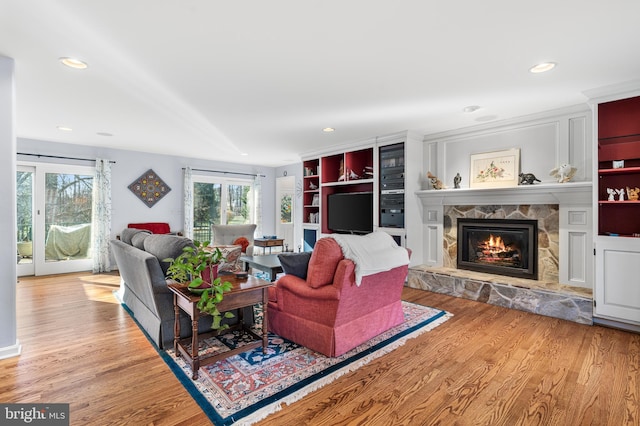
{"x":232,"y":255}
{"x":295,"y":263}
{"x":127,"y":234}
{"x":323,"y":263}
{"x":138,"y":239}
{"x":242,"y":241}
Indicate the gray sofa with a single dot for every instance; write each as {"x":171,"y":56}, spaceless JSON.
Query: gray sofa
{"x":139,"y":255}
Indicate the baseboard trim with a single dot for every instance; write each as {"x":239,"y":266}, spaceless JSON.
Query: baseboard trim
{"x":616,"y":324}
{"x":11,"y":351}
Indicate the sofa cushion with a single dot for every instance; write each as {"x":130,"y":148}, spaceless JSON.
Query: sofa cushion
{"x":137,"y":240}
{"x":295,"y":263}
{"x":127,"y":234}
{"x":323,"y":263}
{"x":165,"y":246}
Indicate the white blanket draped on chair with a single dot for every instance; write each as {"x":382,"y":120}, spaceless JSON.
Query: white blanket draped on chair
{"x":371,"y":253}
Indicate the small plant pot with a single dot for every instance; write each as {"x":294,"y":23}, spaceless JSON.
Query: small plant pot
{"x":208,"y":275}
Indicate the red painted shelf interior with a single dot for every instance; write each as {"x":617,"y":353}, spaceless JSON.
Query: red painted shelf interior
{"x":618,"y":139}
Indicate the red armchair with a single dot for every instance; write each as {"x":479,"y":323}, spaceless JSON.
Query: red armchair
{"x":328,"y":312}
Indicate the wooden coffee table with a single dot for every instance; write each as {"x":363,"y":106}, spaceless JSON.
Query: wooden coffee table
{"x":245,"y":292}
{"x":267,"y":263}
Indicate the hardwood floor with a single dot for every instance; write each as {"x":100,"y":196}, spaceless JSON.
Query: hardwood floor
{"x":485,"y":366}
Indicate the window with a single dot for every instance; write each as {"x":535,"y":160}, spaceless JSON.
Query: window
{"x":220,"y":201}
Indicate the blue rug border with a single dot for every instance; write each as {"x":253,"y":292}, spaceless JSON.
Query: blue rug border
{"x":213,"y":415}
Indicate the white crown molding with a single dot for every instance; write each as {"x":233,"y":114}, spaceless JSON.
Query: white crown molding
{"x":509,"y":123}
{"x":613,"y":92}
{"x":354,"y":145}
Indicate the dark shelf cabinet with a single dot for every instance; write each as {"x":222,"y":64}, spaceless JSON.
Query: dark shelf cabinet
{"x":391,"y":184}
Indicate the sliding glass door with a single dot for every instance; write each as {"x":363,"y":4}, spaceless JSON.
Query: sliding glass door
{"x":61,"y":218}
{"x":220,"y":201}
{"x":25,"y":178}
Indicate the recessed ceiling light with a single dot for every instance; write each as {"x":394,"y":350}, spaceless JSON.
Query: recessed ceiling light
{"x":64,"y":128}
{"x":73,"y":63}
{"x":328,"y":129}
{"x":471,"y":108}
{"x":244,"y":154}
{"x":542,"y":67}
{"x":104,"y":134}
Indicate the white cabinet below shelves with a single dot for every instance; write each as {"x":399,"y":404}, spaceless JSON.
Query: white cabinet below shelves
{"x":617,"y":294}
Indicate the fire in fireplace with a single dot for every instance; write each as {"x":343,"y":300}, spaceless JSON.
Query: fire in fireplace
{"x":499,"y":246}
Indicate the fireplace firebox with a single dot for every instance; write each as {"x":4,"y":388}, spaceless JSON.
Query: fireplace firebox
{"x":499,"y":246}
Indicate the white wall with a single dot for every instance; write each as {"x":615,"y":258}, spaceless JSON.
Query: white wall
{"x":129,"y":165}
{"x":9,"y":345}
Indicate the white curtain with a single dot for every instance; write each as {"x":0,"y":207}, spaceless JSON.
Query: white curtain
{"x":188,"y":203}
{"x":101,"y":226}
{"x":257,"y":187}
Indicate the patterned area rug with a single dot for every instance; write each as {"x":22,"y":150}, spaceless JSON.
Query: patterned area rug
{"x":248,"y":387}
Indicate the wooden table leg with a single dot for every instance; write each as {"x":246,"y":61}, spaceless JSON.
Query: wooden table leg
{"x":195,"y":359}
{"x":265,"y":328}
{"x":176,"y":325}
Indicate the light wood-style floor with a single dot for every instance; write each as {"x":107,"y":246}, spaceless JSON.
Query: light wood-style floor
{"x":485,"y":366}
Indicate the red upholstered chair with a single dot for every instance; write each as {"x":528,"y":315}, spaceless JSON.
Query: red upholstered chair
{"x":328,"y":312}
{"x":153,"y":227}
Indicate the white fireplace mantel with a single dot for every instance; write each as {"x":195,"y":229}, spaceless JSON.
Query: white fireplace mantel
{"x":574,"y":200}
{"x":570,"y":193}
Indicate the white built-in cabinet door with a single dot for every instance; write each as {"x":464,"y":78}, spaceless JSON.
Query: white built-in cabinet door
{"x":617,"y":290}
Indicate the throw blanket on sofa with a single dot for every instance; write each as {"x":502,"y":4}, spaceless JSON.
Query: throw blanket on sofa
{"x":371,"y":253}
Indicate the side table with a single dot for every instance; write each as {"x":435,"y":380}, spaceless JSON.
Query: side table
{"x":268,"y":242}
{"x":245,"y":292}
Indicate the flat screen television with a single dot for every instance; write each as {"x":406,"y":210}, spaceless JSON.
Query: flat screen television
{"x":350,"y":212}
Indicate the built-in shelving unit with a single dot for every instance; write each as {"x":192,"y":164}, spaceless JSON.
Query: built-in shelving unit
{"x":349,"y":171}
{"x":391,"y":186}
{"x":618,"y":145}
{"x":617,"y":296}
{"x":379,"y":166}
{"x":311,"y":191}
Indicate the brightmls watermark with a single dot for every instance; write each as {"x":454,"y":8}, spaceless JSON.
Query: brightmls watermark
{"x":34,"y":414}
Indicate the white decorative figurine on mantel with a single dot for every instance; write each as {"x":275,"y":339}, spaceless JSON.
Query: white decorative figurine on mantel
{"x":563,"y":173}
{"x":620,"y":194}
{"x":612,"y":193}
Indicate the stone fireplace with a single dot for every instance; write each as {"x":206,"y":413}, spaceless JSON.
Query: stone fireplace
{"x":545,"y":218}
{"x":499,"y":246}
{"x":557,"y":259}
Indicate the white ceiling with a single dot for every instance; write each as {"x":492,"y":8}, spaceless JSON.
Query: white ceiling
{"x":214,"y":79}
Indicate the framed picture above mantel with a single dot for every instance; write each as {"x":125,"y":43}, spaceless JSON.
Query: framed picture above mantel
{"x":495,"y":169}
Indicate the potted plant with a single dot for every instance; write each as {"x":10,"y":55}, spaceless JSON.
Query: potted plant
{"x":198,"y":266}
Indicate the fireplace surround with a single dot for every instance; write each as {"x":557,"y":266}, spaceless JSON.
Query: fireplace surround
{"x":565,"y":259}
{"x":498,"y":246}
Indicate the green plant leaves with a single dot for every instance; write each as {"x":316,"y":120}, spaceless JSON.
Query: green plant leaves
{"x":189,"y":265}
